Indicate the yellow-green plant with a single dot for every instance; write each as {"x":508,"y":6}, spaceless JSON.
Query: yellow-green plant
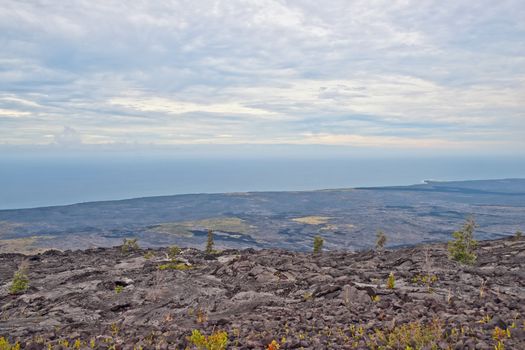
{"x":462,"y":248}
{"x":499,"y":346}
{"x":175,"y":266}
{"x":308,"y":296}
{"x":500,"y":334}
{"x":20,"y":282}
{"x":173,"y":252}
{"x":119,"y":289}
{"x":77,"y":344}
{"x":5,"y":345}
{"x":391,"y":281}
{"x":318,"y":244}
{"x":215,"y":341}
{"x":129,"y":245}
{"x":414,"y":335}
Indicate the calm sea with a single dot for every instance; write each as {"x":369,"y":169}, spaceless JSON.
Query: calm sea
{"x":44,"y":181}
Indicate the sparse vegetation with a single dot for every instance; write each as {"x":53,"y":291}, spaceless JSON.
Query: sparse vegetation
{"x":149,"y":255}
{"x":173,"y":252}
{"x":318,"y":244}
{"x":175,"y":266}
{"x":129,"y":244}
{"x":210,"y":242}
{"x":348,"y":313}
{"x":20,"y":281}
{"x":427,"y":280}
{"x":274,"y":345}
{"x":380,"y":240}
{"x":5,"y":345}
{"x":308,"y":296}
{"x":312,"y":220}
{"x":518,"y":235}
{"x":414,"y":335}
{"x":216,"y":341}
{"x":391,"y":281}
{"x":462,"y":248}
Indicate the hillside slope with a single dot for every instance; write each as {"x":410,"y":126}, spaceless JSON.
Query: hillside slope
{"x":335,"y":300}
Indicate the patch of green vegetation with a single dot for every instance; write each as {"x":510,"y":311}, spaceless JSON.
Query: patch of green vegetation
{"x":175,"y":266}
{"x":184,"y":228}
{"x":20,"y":282}
{"x":312,"y":220}
{"x":173,"y":252}
{"x":119,"y":289}
{"x":462,"y":248}
{"x":424,"y":279}
{"x":518,"y":235}
{"x":172,"y":228}
{"x":227,"y":224}
{"x":216,"y":341}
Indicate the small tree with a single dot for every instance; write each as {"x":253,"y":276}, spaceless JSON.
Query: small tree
{"x":20,"y":281}
{"x":209,"y":243}
{"x":318,"y":244}
{"x":173,"y":252}
{"x":380,"y":240}
{"x":462,"y":248}
{"x":391,"y":281}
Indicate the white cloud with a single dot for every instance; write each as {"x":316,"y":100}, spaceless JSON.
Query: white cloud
{"x":382,"y":73}
{"x":68,"y":137}
{"x":157,"y":104}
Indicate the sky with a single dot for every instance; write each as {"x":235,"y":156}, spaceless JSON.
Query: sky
{"x":438,"y":76}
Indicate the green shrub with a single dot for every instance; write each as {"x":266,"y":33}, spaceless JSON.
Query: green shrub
{"x":20,"y":282}
{"x":518,"y":235}
{"x":173,"y":252}
{"x":119,"y":289}
{"x":462,"y":248}
{"x":129,"y":245}
{"x":318,"y":244}
{"x":380,"y":240}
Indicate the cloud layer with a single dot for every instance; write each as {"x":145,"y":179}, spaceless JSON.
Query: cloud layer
{"x":393,"y":74}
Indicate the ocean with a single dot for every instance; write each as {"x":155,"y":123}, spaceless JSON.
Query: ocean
{"x":35,"y":181}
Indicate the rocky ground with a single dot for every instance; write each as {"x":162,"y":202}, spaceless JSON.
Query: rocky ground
{"x":109,"y":299}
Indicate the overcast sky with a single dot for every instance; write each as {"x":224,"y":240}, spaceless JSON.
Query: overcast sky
{"x":442,"y":76}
